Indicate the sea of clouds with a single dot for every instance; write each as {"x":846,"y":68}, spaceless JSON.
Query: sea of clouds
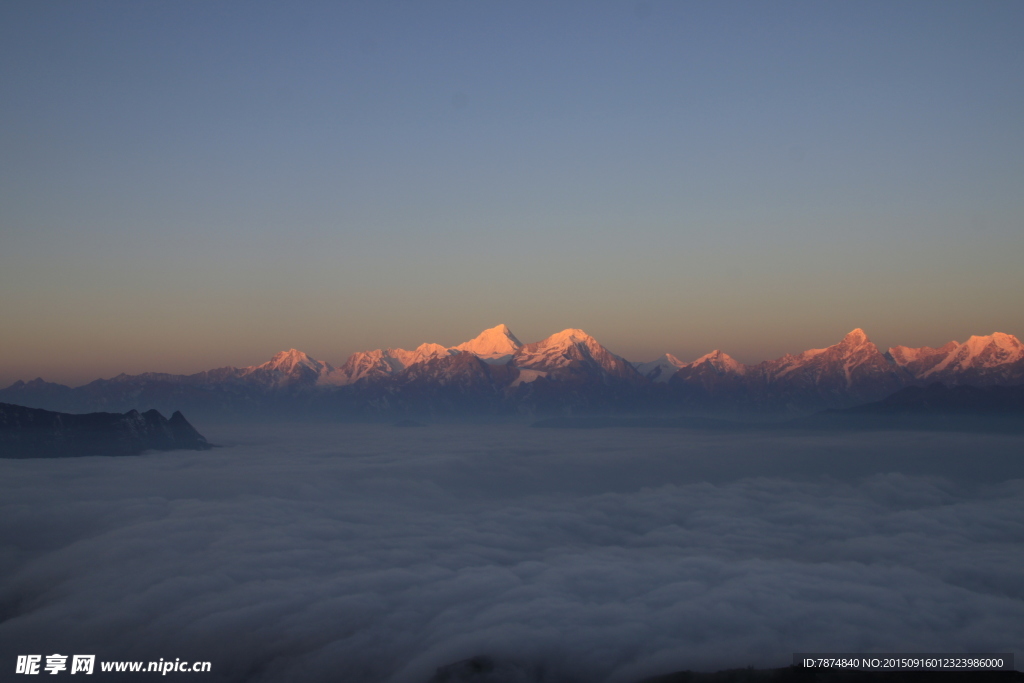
{"x":375,"y":553}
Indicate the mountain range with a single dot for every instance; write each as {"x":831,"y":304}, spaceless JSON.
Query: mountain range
{"x":568,"y":372}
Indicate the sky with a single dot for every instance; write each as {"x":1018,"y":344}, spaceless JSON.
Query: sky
{"x":365,"y":553}
{"x":188,"y":185}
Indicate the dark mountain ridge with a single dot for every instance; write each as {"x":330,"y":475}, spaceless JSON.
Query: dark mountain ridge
{"x":935,"y":408}
{"x":35,"y":433}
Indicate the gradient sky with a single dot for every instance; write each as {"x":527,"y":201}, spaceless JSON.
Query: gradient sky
{"x":186,"y":185}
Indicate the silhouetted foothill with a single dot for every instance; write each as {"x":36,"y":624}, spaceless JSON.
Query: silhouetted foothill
{"x":936,"y":407}
{"x":34,"y":433}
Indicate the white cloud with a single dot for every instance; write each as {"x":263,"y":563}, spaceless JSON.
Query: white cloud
{"x":362,"y":553}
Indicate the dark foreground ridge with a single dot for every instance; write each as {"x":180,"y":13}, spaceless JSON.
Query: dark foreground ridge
{"x":490,"y":670}
{"x":34,"y":433}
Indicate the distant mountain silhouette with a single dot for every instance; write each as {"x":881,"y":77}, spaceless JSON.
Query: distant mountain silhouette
{"x":936,"y":407}
{"x":939,"y":399}
{"x":35,"y":433}
{"x":568,"y":373}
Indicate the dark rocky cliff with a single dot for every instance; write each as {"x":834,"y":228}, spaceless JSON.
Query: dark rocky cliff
{"x":34,"y":433}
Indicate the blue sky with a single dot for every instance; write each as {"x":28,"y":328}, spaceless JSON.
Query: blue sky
{"x":188,"y":185}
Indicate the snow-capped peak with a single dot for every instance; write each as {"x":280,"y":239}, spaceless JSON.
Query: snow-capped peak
{"x":1000,"y":340}
{"x":853,"y":352}
{"x":567,"y":347}
{"x":568,"y":336}
{"x":560,"y":344}
{"x":1004,"y":339}
{"x":400,"y":359}
{"x":285,"y":369}
{"x":431,"y":350}
{"x":985,"y":354}
{"x":287,"y":361}
{"x":660,"y":369}
{"x":856,"y":341}
{"x":383,"y":362}
{"x":987,"y":351}
{"x":856,"y":337}
{"x":495,"y":342}
{"x":721,"y":361}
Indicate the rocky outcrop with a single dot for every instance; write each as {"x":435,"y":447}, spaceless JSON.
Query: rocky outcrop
{"x":34,"y":433}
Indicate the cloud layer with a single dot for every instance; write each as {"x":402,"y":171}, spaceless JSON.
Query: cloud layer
{"x":367,"y":553}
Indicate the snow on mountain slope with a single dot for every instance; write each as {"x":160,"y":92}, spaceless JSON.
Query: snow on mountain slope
{"x":854,"y":368}
{"x":572,"y":348}
{"x":383,"y":363}
{"x":660,"y":369}
{"x":286,"y":368}
{"x":376,"y":363}
{"x":567,"y":368}
{"x":720,"y":362}
{"x":715,"y":376}
{"x":492,"y":344}
{"x":288,"y":362}
{"x":558,"y":350}
{"x":425,"y":352}
{"x":706,"y":368}
{"x":917,"y":361}
{"x":837,"y":360}
{"x":994,"y":357}
{"x":981,"y":352}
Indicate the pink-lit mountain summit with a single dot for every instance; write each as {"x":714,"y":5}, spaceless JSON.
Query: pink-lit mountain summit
{"x":496,"y":373}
